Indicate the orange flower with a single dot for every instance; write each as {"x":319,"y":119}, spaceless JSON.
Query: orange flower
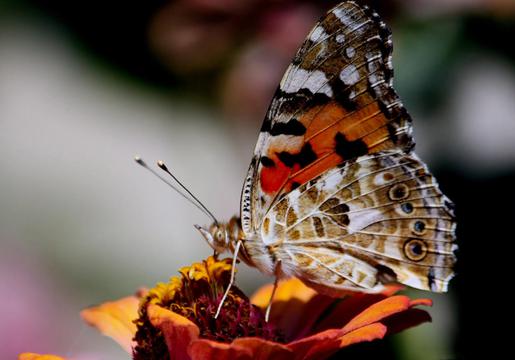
{"x":176,"y":320}
{"x":33,"y":356}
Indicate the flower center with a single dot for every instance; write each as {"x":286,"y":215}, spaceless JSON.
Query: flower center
{"x":196,"y":296}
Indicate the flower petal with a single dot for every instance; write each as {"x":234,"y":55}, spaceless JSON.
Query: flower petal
{"x":391,"y":289}
{"x":207,"y":350}
{"x":115,"y":319}
{"x":365,"y":333}
{"x":395,"y":314}
{"x":426,"y":302}
{"x":379,"y":311}
{"x":328,"y":338}
{"x":292,"y":298}
{"x":178,"y":331}
{"x":34,"y":356}
{"x":326,"y":343}
{"x":243,"y":348}
{"x":345,"y":310}
{"x":286,"y":290}
{"x":263,"y":349}
{"x":406,"y":319}
{"x":325,"y":349}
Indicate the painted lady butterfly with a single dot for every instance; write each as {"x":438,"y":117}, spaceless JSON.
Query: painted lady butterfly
{"x":334,"y":194}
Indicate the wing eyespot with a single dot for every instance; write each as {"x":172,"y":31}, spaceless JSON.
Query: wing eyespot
{"x":398,"y":192}
{"x":419,"y":227}
{"x":407,"y":208}
{"x":415,"y":249}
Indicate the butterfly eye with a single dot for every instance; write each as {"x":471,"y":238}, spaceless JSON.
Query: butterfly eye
{"x":415,"y":249}
{"x":398,"y":192}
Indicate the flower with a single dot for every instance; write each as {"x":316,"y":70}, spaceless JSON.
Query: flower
{"x":33,"y":356}
{"x":175,"y":320}
{"x":190,"y":302}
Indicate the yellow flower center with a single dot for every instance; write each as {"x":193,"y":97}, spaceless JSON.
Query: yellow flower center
{"x":196,"y":295}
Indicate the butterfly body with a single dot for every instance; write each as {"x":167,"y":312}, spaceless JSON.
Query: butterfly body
{"x":334,"y":194}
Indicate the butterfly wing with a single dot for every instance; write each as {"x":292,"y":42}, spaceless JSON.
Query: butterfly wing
{"x":333,"y":189}
{"x":377,"y":219}
{"x":335,"y":103}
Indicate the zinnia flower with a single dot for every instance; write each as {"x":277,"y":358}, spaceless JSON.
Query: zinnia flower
{"x":176,"y":320}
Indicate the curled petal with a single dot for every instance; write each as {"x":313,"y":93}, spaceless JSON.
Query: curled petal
{"x":33,"y":356}
{"x":325,"y":349}
{"x":351,"y":306}
{"x":379,"y":311}
{"x":115,"y":319}
{"x":425,"y":302}
{"x":326,"y":343}
{"x":406,"y":319}
{"x":346,"y":310}
{"x":178,"y":331}
{"x":365,"y":333}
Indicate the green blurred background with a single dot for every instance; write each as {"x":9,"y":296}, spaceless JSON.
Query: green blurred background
{"x":85,"y":85}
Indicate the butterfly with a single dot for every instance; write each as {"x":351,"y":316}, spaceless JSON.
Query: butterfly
{"x":334,"y":194}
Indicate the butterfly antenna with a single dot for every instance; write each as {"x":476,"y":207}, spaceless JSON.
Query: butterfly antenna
{"x":163,"y":167}
{"x":192,"y":200}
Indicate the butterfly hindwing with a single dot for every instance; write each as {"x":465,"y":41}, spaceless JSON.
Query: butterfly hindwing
{"x":335,"y":103}
{"x":379,"y":218}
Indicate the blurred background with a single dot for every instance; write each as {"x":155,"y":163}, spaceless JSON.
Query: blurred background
{"x":84,"y":86}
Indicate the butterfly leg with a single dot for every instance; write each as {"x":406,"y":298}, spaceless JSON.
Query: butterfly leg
{"x":231,"y":281}
{"x":269,"y":307}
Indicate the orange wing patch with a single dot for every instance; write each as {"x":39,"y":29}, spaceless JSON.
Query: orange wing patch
{"x":273,"y":178}
{"x":335,"y":103}
{"x":333,"y":135}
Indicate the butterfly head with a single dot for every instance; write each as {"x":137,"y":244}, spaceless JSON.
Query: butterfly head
{"x":216,"y":236}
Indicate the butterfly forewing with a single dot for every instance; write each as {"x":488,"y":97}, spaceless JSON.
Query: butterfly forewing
{"x":335,"y":103}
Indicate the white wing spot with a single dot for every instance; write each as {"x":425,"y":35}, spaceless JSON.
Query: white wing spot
{"x":360,"y":220}
{"x":349,"y":75}
{"x":373,"y":78}
{"x":340,"y":39}
{"x":343,"y":16}
{"x":350,"y":52}
{"x":317,"y":33}
{"x":314,"y":81}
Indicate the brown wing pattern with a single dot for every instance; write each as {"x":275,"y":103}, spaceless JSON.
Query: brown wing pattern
{"x":379,"y":218}
{"x":335,"y":103}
